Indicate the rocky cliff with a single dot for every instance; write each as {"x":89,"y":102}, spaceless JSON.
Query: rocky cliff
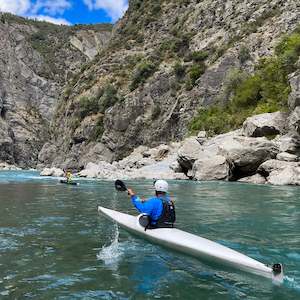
{"x":164,"y":62}
{"x":36,"y":60}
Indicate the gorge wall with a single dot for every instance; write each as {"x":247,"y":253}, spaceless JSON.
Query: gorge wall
{"x":164,"y":61}
{"x":36,"y":60}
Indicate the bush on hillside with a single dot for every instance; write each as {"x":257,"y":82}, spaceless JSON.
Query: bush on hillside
{"x":142,"y":72}
{"x":267,"y":90}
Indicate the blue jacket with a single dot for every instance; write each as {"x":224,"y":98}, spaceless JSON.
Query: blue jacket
{"x":153,"y":207}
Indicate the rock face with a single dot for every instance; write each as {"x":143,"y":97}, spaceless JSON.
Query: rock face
{"x":294,"y":98}
{"x":36,"y":60}
{"x":149,"y":83}
{"x":265,"y":124}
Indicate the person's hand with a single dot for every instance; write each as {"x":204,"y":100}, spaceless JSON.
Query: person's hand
{"x":130,"y":192}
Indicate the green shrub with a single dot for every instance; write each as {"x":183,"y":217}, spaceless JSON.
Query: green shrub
{"x":87,"y":106}
{"x":179,"y":70}
{"x":142,"y":72}
{"x":108,"y":98}
{"x":247,"y":94}
{"x":244,"y":54}
{"x":199,"y":56}
{"x":155,"y":112}
{"x":98,"y":130}
{"x":195,"y":72}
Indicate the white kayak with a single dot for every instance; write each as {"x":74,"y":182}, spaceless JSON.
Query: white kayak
{"x":195,"y":245}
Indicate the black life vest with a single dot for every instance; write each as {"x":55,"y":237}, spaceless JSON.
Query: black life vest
{"x":168,"y":215}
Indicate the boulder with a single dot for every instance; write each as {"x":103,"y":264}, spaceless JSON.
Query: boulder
{"x":281,"y":172}
{"x":7,"y":167}
{"x":256,"y":179}
{"x":288,"y":143}
{"x":188,"y":153}
{"x":211,"y":168}
{"x":267,"y":124}
{"x":175,"y":166}
{"x":56,"y":172}
{"x":102,"y":170}
{"x":272,"y":165}
{"x":202,"y":137}
{"x":158,"y":153}
{"x":247,"y":153}
{"x":287,"y":176}
{"x":285,"y":156}
{"x":158,"y":170}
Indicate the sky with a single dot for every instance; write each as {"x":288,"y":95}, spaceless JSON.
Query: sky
{"x":67,"y":12}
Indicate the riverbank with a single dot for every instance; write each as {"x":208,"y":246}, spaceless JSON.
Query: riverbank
{"x":262,"y":152}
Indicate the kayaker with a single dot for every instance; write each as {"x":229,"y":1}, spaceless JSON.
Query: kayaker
{"x":68,"y":176}
{"x":159,"y":211}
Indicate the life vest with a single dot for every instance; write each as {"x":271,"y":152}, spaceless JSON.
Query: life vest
{"x":168,"y":215}
{"x":166,"y":220}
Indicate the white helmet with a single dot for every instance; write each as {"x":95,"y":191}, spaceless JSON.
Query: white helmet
{"x":161,"y":186}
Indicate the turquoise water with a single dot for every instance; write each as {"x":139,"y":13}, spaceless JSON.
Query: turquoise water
{"x":54,"y":245}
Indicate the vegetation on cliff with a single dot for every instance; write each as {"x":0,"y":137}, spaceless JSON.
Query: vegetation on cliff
{"x":266,"y":90}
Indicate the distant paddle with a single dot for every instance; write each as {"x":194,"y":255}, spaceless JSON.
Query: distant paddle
{"x":120,"y":186}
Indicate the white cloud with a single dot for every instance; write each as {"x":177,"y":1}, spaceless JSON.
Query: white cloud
{"x":18,"y":7}
{"x":114,"y":8}
{"x":37,"y":10}
{"x":52,"y":7}
{"x":58,"y":21}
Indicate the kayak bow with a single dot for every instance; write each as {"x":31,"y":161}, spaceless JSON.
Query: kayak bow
{"x":196,"y":246}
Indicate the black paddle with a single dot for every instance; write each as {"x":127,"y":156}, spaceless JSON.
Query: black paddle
{"x":120,"y":186}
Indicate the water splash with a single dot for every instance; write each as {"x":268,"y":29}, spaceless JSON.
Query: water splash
{"x":111,"y":254}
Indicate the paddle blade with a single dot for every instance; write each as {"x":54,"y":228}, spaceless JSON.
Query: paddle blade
{"x":120,"y":186}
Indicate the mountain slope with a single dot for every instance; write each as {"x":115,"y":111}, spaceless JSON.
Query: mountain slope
{"x":36,"y":59}
{"x":166,"y":59}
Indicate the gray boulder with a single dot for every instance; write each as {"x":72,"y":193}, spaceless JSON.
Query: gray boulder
{"x":56,"y":172}
{"x":265,"y":124}
{"x":288,"y":143}
{"x":285,"y":156}
{"x":247,"y":153}
{"x":255,"y":179}
{"x":211,"y":168}
{"x":281,"y":172}
{"x":287,"y":176}
{"x":189,"y":153}
{"x":275,"y":165}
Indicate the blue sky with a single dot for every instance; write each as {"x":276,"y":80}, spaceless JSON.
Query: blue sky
{"x":67,"y":11}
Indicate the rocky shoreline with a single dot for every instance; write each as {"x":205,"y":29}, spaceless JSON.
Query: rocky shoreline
{"x":264,"y":151}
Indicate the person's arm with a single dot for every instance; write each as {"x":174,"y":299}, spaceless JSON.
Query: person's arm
{"x":140,"y":205}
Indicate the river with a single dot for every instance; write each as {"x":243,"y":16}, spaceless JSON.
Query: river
{"x":54,"y":244}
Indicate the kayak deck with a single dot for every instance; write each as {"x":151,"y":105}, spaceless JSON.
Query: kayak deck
{"x":193,"y":245}
{"x":70,"y":183}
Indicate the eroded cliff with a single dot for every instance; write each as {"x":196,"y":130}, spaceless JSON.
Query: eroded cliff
{"x":36,"y":60}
